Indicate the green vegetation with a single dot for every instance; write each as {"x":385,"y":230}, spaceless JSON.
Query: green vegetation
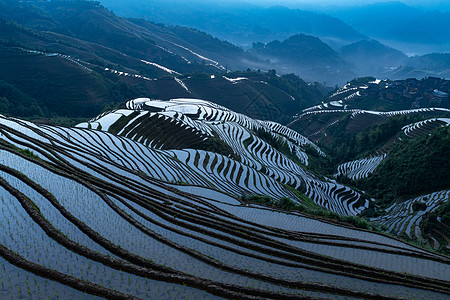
{"x":52,"y":87}
{"x":264,"y":96}
{"x":277,"y":143}
{"x":444,"y":212}
{"x":27,"y":152}
{"x":348,"y":146}
{"x":305,"y":94}
{"x":216,"y":145}
{"x":319,"y":165}
{"x":438,"y":229}
{"x":15,"y":102}
{"x":121,"y":122}
{"x":248,"y":141}
{"x":283,"y":203}
{"x":413,"y":167}
{"x":66,"y":121}
{"x":419,"y":206}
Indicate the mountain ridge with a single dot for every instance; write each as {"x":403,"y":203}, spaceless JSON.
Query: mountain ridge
{"x":254,"y":22}
{"x":120,"y":75}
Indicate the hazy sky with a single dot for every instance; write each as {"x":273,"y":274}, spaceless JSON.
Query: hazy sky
{"x":425,"y":4}
{"x":352,"y":2}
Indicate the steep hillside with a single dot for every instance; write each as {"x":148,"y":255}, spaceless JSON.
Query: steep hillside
{"x":83,"y":24}
{"x":359,"y":140}
{"x":343,"y":125}
{"x":423,"y":157}
{"x":399,"y":158}
{"x":369,"y":93}
{"x":255,"y":161}
{"x":421,"y":218}
{"x":196,"y":45}
{"x":61,"y":85}
{"x":414,"y":166}
{"x":40,"y":77}
{"x":265,"y":96}
{"x":98,"y":25}
{"x":42,"y":84}
{"x":28,"y":15}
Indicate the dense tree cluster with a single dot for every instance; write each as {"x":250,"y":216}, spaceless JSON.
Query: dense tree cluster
{"x":348,"y":146}
{"x":413,"y":167}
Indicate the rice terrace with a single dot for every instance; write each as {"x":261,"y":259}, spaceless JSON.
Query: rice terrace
{"x":137,"y":214}
{"x":245,"y":149}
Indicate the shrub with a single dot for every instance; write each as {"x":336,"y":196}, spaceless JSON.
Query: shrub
{"x":419,"y":206}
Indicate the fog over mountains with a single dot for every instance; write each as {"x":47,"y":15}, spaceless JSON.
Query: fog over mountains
{"x":398,"y":27}
{"x":409,"y":29}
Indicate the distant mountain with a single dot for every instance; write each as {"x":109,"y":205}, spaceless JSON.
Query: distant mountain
{"x":370,"y":57}
{"x":409,"y":29}
{"x":305,"y":55}
{"x":199,"y":46}
{"x":283,"y":39}
{"x":435,"y":64}
{"x":28,"y":15}
{"x":439,"y":62}
{"x":300,"y":48}
{"x":180,"y":49}
{"x":238,"y":22}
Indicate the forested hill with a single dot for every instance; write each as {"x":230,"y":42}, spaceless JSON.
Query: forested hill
{"x":414,"y":167}
{"x":74,"y":59}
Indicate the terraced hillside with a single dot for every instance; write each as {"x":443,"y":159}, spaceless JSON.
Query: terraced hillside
{"x":369,"y":93}
{"x":424,"y":127}
{"x":378,"y":133}
{"x":252,"y":166}
{"x":405,"y":218}
{"x":360,"y":168}
{"x":85,"y":212}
